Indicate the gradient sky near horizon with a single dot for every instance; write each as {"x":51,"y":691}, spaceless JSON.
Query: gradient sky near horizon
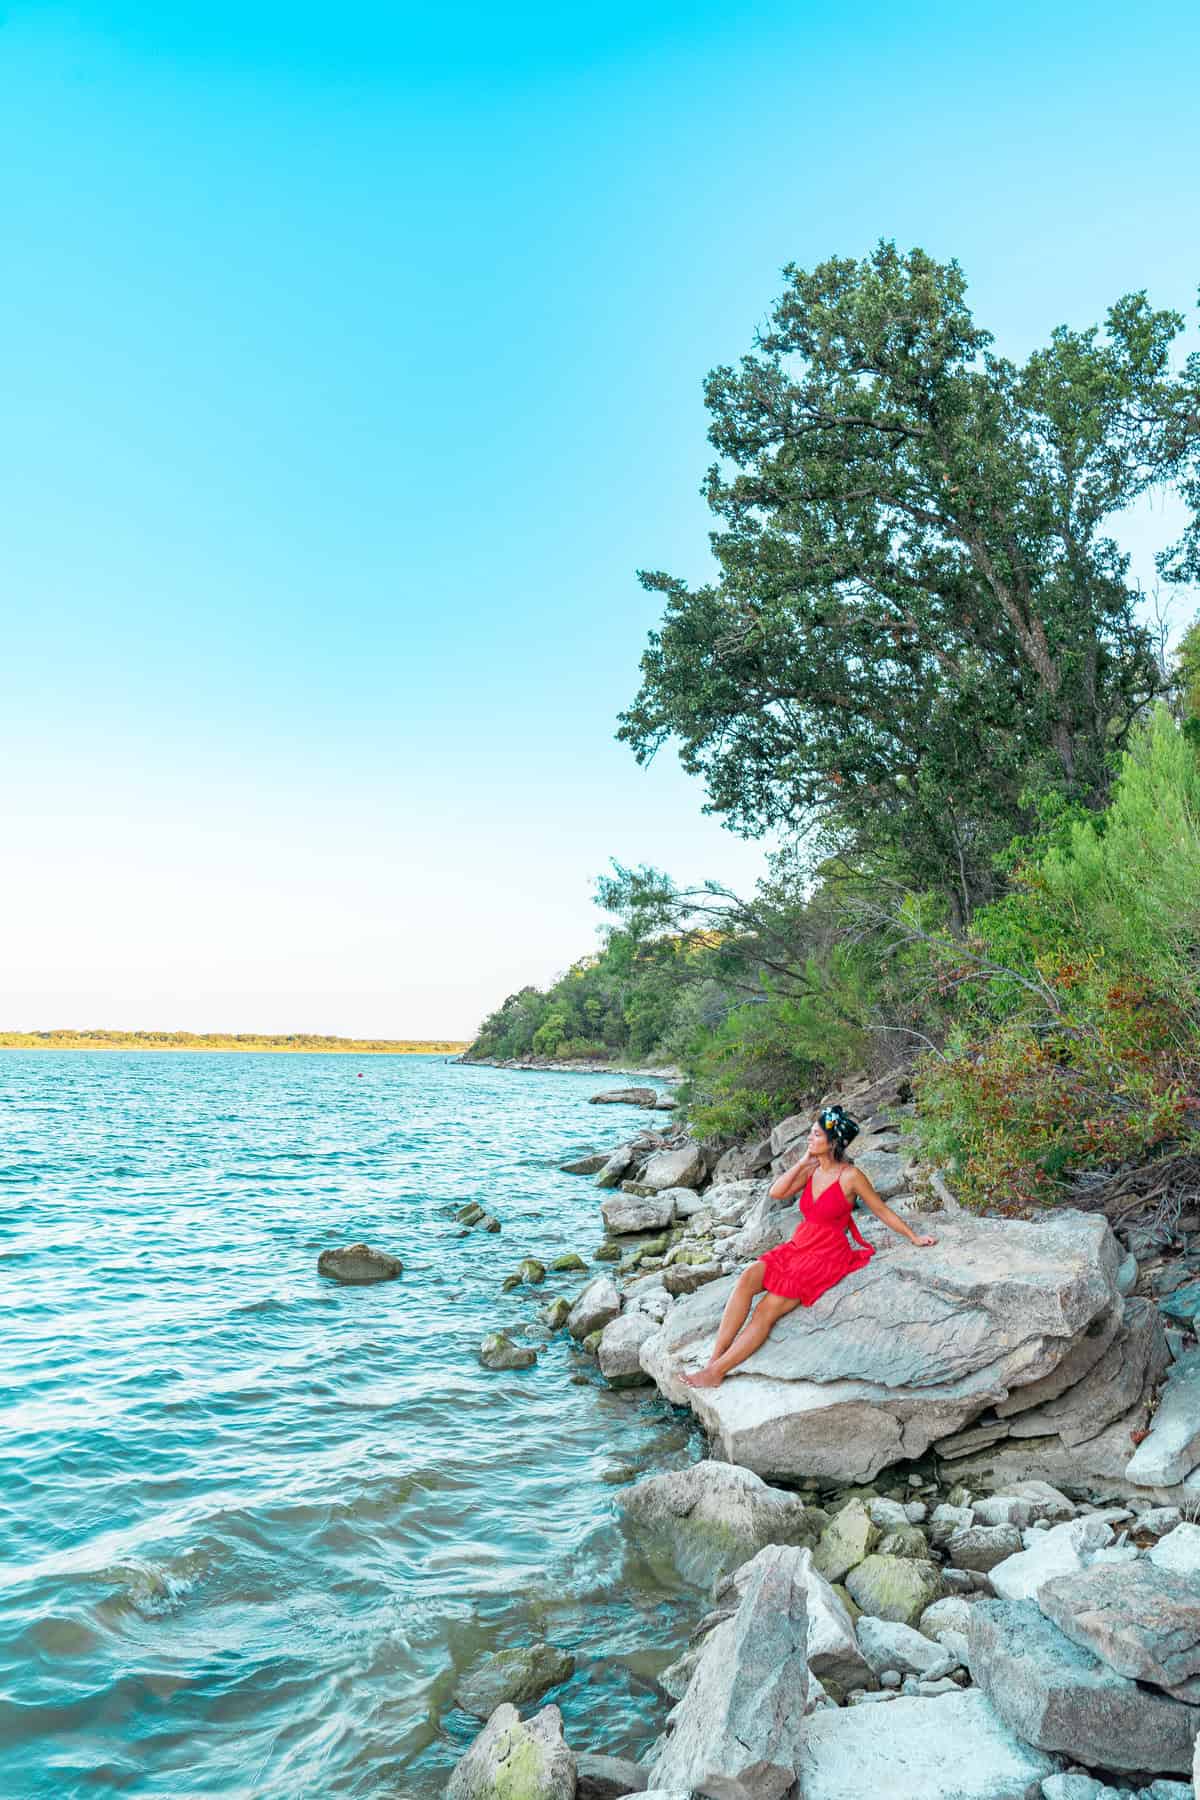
{"x":351,"y":362}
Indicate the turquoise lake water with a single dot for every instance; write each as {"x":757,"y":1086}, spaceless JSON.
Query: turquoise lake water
{"x":253,"y":1525}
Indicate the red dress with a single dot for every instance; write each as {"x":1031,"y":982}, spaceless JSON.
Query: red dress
{"x":818,"y":1254}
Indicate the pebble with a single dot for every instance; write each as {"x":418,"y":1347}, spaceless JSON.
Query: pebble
{"x":890,"y":1678}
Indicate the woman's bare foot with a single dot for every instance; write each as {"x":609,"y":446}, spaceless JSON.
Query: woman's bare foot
{"x":709,"y":1377}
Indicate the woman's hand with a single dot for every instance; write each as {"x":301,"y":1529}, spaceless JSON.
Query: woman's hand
{"x":924,"y":1243}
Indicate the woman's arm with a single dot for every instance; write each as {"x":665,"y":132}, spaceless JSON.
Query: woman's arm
{"x":859,"y":1184}
{"x":792,"y":1180}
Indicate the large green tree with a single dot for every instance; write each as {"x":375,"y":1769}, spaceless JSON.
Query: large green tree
{"x":919,"y":611}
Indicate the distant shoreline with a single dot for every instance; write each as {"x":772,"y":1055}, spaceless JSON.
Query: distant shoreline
{"x":227,"y":1043}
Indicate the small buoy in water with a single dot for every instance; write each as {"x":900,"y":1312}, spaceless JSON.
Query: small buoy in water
{"x":360,"y":1074}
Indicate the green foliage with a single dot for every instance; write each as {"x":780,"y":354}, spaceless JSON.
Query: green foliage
{"x":1078,"y":1039}
{"x":919,"y":613}
{"x":766,"y":1057}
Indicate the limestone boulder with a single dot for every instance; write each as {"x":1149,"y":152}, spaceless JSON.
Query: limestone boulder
{"x":513,"y":1675}
{"x":674,"y":1168}
{"x":888,"y":1171}
{"x":1064,"y":1549}
{"x":620,"y":1347}
{"x":1062,"y":1698}
{"x":954,"y":1748}
{"x":1129,"y":1369}
{"x":515,"y":1759}
{"x":981,"y":1547}
{"x":831,"y":1646}
{"x":902,"y":1353}
{"x":356,"y":1264}
{"x":887,"y":1645}
{"x":623,"y":1213}
{"x":746,"y":1701}
{"x":628,"y":1096}
{"x":767,"y":1223}
{"x":849,"y":1537}
{"x":607,"y":1777}
{"x":596,"y":1306}
{"x":1171,"y":1450}
{"x":730,"y":1202}
{"x":685,"y":1201}
{"x":715,"y":1515}
{"x":1140,"y":1619}
{"x":686,"y":1278}
{"x":612,"y":1171}
{"x":1178,"y":1552}
{"x":586,"y":1165}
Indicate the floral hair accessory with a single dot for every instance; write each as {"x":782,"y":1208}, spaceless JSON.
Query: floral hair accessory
{"x":837,"y":1124}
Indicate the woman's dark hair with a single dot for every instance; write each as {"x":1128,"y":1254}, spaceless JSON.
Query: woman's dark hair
{"x":839,"y":1128}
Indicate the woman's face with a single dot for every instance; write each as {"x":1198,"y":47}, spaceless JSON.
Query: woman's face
{"x":818,"y":1141}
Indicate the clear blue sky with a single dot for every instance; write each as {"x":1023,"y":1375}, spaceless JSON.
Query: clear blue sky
{"x":351,"y":363}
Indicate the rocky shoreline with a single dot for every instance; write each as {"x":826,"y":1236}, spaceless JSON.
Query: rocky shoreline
{"x":962,"y":1486}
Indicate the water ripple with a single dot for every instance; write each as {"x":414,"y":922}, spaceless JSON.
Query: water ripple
{"x":254,"y":1526}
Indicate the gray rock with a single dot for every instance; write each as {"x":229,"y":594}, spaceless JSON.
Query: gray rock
{"x":716,"y":1515}
{"x":831,"y":1647}
{"x":596,"y":1306}
{"x":1083,"y":1355}
{"x":731,"y":1201}
{"x":894,"y":1587}
{"x":954,"y":1748}
{"x":1178,"y":1552}
{"x":1129,"y":1369}
{"x":981,"y":1547}
{"x":1047,"y":1501}
{"x":791,"y":1134}
{"x":507,"y":1745}
{"x":355,"y":1264}
{"x":761,"y":1781}
{"x":887,"y":1645}
{"x":497,"y":1351}
{"x":1003,"y":1509}
{"x":849,"y":1537}
{"x":607,"y":1777}
{"x":952,"y":1613}
{"x":629,"y":1212}
{"x":745,"y":1704}
{"x":620,"y":1349}
{"x":613,"y":1172}
{"x":629,"y":1096}
{"x":905,"y":1540}
{"x":767,"y":1223}
{"x":887,"y":1514}
{"x":1160,"y":1520}
{"x":555,"y":1313}
{"x":888,"y":1172}
{"x":586,"y":1165}
{"x":903,"y":1352}
{"x":1127,"y":1275}
{"x":1063,"y":1550}
{"x":513,"y":1675}
{"x":946,"y":1520}
{"x":685,"y":1278}
{"x":1061,"y":1697}
{"x":675,"y":1168}
{"x":1172,"y":1449}
{"x":1142,"y":1620}
{"x":686,"y":1201}
{"x":1073,"y":1787}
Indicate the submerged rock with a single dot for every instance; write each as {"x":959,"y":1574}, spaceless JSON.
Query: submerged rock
{"x":497,"y":1351}
{"x":356,"y":1264}
{"x":513,"y":1759}
{"x":514,"y":1676}
{"x":630,"y":1096}
{"x":608,"y":1777}
{"x":586,"y":1165}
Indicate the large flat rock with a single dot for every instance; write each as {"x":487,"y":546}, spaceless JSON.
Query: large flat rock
{"x":901,"y":1353}
{"x":1140,"y":1619}
{"x":1060,"y":1697}
{"x":956,"y":1747}
{"x":714,"y":1516}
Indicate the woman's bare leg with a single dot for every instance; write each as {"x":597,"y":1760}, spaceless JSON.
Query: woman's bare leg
{"x":752,"y":1335}
{"x":737,"y":1308}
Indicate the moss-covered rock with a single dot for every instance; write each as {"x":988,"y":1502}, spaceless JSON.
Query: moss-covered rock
{"x":497,"y":1351}
{"x":849,"y":1537}
{"x":554,"y":1313}
{"x":607,"y":1252}
{"x":895,"y":1587}
{"x":905,"y":1540}
{"x":515,"y":1760}
{"x":531,"y":1270}
{"x":470,"y":1214}
{"x":591,"y":1343}
{"x":565,"y":1265}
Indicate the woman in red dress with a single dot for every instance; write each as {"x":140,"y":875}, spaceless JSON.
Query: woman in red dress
{"x":817,"y":1256}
